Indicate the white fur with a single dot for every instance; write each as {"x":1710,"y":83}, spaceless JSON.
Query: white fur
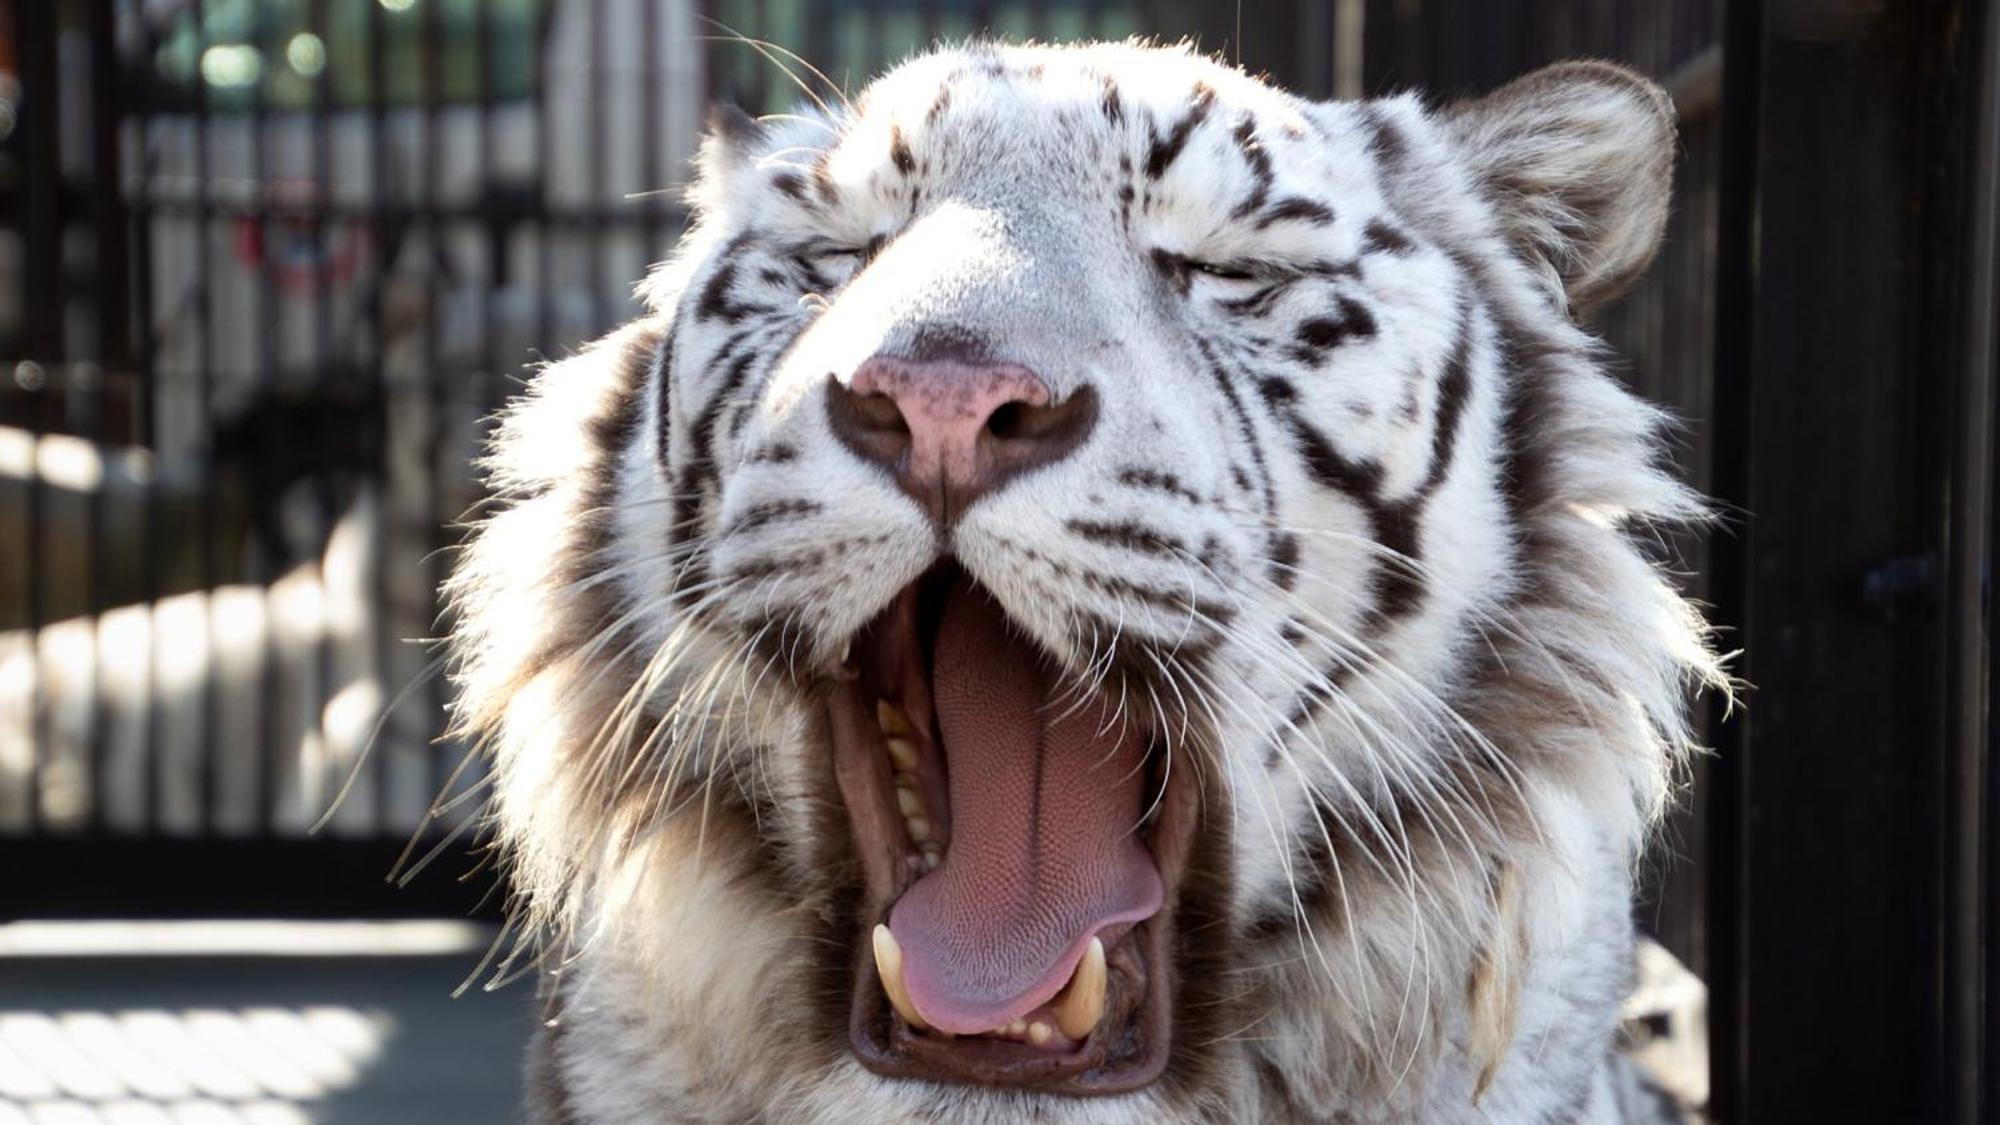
{"x":664,"y":795}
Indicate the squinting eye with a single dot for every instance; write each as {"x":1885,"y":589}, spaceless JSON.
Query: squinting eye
{"x":851,"y":255}
{"x":1222,"y":270}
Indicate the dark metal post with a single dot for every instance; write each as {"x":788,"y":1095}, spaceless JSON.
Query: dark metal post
{"x":1849,"y":980}
{"x":40,"y":146}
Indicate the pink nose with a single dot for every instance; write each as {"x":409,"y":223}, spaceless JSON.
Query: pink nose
{"x":952,"y":431}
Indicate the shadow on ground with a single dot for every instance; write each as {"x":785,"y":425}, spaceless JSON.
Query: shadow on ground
{"x":327,"y":1040}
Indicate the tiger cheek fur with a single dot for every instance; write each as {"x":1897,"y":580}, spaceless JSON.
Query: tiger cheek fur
{"x":1300,"y":474}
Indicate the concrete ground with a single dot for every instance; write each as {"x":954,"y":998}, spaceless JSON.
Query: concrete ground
{"x":256,"y":1032}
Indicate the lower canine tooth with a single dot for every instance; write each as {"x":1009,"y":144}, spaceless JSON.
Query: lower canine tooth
{"x":1081,"y":1005}
{"x":889,"y":963}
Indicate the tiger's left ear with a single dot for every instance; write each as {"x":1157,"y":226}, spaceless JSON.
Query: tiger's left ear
{"x":726,"y":147}
{"x":1578,"y":158}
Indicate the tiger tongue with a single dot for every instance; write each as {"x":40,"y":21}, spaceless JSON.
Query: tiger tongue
{"x":1044,"y":851}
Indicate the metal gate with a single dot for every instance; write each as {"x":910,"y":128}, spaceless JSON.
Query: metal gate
{"x":268,"y":266}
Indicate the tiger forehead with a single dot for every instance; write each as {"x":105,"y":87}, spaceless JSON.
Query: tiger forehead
{"x":984,"y":106}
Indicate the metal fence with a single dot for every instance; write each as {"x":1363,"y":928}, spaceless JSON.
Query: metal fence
{"x":265,"y":264}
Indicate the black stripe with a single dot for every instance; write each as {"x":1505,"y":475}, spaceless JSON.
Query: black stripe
{"x":790,"y":184}
{"x":1320,"y":335}
{"x":770,"y":512}
{"x":778,"y":454}
{"x":1158,"y":481}
{"x":1113,"y":106}
{"x":1128,"y":534}
{"x":1259,"y":161}
{"x":1167,"y":149}
{"x":1361,"y":479}
{"x":1293,"y":209}
{"x":1386,"y":142}
{"x":663,"y":378}
{"x":1398,"y":589}
{"x":899,"y":151}
{"x":1380,"y":237}
{"x":1220,"y":374}
{"x":698,"y":471}
{"x":1284,"y":560}
{"x":822,"y":177}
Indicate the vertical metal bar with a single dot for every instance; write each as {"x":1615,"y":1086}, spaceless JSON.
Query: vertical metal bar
{"x":108,"y":219}
{"x":389,"y":233}
{"x":204,"y":299}
{"x":1969,"y":617}
{"x":546,"y":161}
{"x":483,"y":183}
{"x":436,"y":400}
{"x":145,"y":408}
{"x":39,"y":144}
{"x":268,"y":380}
{"x":598,"y":161}
{"x":107,"y":190}
{"x":1729,"y":559}
{"x":652,"y":94}
{"x":325,"y":349}
{"x":42,"y":338}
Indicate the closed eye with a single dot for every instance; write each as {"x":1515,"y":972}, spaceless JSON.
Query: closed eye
{"x":1225,"y":271}
{"x":834,"y":264}
{"x":1229,"y":271}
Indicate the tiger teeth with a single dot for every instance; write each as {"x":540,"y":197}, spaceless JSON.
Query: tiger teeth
{"x":1081,"y":1005}
{"x":898,"y":740}
{"x":890,"y":718}
{"x":889,"y":964}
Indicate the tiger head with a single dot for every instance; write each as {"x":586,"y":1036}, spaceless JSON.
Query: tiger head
{"x":1092,"y":568}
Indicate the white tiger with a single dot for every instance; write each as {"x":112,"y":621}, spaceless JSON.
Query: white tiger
{"x":1102,"y":591}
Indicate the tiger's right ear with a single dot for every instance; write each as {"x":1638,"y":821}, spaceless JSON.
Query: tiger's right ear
{"x":1578,"y":158}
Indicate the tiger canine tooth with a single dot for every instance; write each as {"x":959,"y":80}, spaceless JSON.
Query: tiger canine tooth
{"x":890,"y":718}
{"x":903,"y":752}
{"x":889,"y":964}
{"x":1081,"y":1005}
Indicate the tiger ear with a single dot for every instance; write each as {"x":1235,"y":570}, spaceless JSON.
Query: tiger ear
{"x":1578,"y":158}
{"x":727,"y":144}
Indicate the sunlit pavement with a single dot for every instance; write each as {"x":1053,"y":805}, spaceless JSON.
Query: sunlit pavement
{"x":254,"y":1024}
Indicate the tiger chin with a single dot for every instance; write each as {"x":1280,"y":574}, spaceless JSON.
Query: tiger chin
{"x":1100,"y":591}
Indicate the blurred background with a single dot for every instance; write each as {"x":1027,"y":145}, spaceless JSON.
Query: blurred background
{"x":266,"y":265}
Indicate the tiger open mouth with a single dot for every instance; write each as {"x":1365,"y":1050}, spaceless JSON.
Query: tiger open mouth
{"x":1020,"y":845}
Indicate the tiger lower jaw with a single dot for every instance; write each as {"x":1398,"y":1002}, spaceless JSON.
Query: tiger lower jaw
{"x":1020,"y":856}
